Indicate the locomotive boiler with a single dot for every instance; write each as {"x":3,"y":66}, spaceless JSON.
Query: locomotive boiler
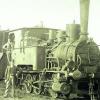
{"x":65,"y":69}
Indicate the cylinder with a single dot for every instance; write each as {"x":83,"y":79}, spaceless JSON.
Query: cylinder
{"x":73,"y":31}
{"x":84,"y":13}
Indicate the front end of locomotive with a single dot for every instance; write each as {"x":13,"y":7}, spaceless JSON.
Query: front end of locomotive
{"x":80,"y":75}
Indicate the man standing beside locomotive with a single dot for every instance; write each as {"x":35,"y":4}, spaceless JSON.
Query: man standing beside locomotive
{"x":9,"y":73}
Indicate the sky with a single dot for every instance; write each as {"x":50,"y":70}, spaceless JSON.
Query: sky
{"x":53,"y":13}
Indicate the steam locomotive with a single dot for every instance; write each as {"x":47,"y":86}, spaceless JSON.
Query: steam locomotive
{"x":66,"y":69}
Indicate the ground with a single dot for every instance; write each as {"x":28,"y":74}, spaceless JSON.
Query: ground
{"x":19,"y":95}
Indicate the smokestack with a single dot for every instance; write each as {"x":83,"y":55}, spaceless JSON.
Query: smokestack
{"x":84,"y":13}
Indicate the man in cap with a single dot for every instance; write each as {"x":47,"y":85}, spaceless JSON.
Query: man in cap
{"x":8,"y":48}
{"x":61,"y":38}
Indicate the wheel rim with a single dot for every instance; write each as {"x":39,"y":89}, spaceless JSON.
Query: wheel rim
{"x":37,"y":89}
{"x":28,"y":84}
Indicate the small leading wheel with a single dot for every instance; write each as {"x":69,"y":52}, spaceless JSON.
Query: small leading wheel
{"x":38,"y":84}
{"x":37,"y":90}
{"x":27,"y":88}
{"x":27,"y":85}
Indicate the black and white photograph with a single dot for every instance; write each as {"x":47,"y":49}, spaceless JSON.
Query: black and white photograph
{"x":49,"y":50}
